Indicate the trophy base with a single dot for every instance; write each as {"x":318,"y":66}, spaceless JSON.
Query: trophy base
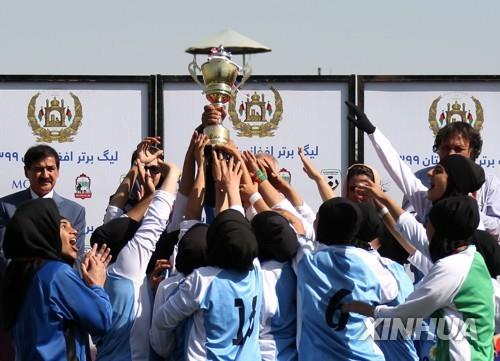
{"x":217,"y":134}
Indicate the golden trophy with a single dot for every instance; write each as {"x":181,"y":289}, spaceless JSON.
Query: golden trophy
{"x":219,"y":76}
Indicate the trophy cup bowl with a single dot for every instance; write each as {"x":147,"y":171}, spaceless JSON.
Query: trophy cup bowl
{"x":219,"y":75}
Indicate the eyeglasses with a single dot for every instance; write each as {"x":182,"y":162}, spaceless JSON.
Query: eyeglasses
{"x":153,"y":169}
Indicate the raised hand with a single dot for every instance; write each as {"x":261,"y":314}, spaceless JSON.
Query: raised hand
{"x":231,"y":174}
{"x":148,"y":150}
{"x":212,"y":115}
{"x":247,"y":189}
{"x":199,"y":148}
{"x":370,"y":189}
{"x":361,"y":121}
{"x":309,"y":169}
{"x":251,"y":161}
{"x":158,"y":274}
{"x":94,"y":265}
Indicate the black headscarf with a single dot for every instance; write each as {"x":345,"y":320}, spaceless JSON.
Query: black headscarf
{"x":489,"y":248}
{"x":32,"y":237}
{"x":192,"y":250}
{"x":339,"y":220}
{"x":231,"y":242}
{"x":371,"y":226}
{"x":164,"y":248}
{"x":276,"y":238}
{"x":115,"y":233}
{"x":455,"y":219}
{"x":464,"y":175}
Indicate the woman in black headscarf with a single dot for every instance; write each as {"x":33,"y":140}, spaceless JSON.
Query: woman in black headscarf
{"x":459,"y":296}
{"x":46,"y":306}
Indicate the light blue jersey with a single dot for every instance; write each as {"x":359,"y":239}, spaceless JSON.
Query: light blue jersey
{"x":225,"y":306}
{"x":397,"y":346}
{"x":328,"y":277}
{"x":278,"y":320}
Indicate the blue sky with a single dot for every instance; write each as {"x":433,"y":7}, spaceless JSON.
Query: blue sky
{"x":342,"y":37}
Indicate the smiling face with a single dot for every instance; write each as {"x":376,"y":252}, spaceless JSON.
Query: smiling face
{"x":42,"y":175}
{"x":352,"y":193}
{"x":69,"y":250}
{"x":438,"y":183}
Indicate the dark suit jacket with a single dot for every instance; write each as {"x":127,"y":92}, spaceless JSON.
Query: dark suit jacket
{"x":67,"y":208}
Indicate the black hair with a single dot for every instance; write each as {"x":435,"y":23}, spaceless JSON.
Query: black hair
{"x":39,"y":152}
{"x":464,"y":129}
{"x":360,"y":169}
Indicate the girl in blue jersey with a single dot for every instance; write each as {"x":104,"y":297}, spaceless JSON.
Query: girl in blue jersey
{"x":278,"y":245}
{"x":330,"y":273}
{"x":396,"y":346}
{"x":460,"y":298}
{"x":127,"y":285}
{"x":224,"y":299}
{"x":192,"y":250}
{"x":46,"y":305}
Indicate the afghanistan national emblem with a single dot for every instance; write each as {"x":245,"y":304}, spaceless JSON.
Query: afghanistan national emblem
{"x":54,"y":121}
{"x":261,"y":116}
{"x":82,"y":187}
{"x":455,"y":110}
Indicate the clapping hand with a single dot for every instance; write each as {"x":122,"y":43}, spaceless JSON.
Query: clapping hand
{"x":94,"y":265}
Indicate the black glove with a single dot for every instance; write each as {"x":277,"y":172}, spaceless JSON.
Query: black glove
{"x":361,"y":121}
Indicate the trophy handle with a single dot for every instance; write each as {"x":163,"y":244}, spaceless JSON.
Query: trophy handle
{"x":247,"y":72}
{"x":193,"y":68}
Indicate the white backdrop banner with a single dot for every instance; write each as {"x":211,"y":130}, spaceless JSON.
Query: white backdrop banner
{"x":274,"y":118}
{"x":93,"y":126}
{"x":409,"y":113}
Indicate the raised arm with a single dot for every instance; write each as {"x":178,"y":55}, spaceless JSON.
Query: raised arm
{"x":133,"y":259}
{"x":269,"y":193}
{"x":405,"y":224}
{"x":195,"y":202}
{"x":399,"y":171}
{"x":325,"y":191}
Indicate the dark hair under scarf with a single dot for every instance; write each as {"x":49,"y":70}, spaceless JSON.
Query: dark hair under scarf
{"x":32,"y":236}
{"x":372,"y":227}
{"x":276,"y":238}
{"x":464,"y":175}
{"x":115,"y":233}
{"x":455,"y":219}
{"x":164,"y":248}
{"x":489,"y":248}
{"x":231,"y":242}
{"x":339,"y":220}
{"x":192,"y":250}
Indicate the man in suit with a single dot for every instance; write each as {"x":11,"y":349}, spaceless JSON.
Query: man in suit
{"x":41,"y":167}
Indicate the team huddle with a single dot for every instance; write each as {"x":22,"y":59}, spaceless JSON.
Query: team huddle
{"x":224,"y":260}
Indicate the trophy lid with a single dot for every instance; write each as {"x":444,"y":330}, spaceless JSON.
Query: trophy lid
{"x":219,"y":52}
{"x":238,"y":43}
